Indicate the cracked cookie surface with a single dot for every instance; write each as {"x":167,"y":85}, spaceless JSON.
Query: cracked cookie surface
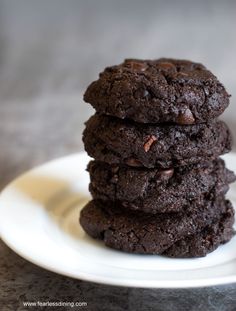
{"x":157,"y":91}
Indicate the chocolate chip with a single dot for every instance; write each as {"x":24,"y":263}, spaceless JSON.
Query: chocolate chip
{"x":133,"y":162}
{"x":166,"y":65}
{"x":185,"y":117}
{"x":165,"y":174}
{"x":149,"y":142}
{"x":136,"y":65}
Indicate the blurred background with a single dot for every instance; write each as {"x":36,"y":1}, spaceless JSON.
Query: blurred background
{"x":50,"y":50}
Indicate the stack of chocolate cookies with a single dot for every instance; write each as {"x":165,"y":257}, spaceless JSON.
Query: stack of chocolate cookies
{"x":157,"y":182}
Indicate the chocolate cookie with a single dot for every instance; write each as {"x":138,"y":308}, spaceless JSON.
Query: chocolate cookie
{"x":159,"y":191}
{"x":138,"y":232}
{"x":206,"y":241}
{"x":118,"y":141}
{"x":156,"y":91}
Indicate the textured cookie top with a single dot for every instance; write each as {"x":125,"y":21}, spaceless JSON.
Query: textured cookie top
{"x":156,"y":91}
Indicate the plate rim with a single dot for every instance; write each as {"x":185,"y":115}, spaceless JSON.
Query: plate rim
{"x":158,"y":284}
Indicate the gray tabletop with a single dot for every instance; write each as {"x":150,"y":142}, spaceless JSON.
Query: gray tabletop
{"x":49,"y":52}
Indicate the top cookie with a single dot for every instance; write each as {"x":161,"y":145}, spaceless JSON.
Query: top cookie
{"x":158,"y":91}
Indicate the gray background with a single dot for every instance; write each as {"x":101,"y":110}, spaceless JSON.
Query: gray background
{"x":49,"y":52}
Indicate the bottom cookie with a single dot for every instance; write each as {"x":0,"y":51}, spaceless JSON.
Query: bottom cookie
{"x":206,"y":241}
{"x":137,"y":232}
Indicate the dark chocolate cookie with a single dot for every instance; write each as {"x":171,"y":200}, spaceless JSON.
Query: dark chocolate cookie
{"x":206,"y":241}
{"x":138,"y":232}
{"x":118,"y":141}
{"x":156,"y":91}
{"x":159,"y":191}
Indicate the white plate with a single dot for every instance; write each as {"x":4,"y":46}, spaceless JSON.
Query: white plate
{"x":39,"y":220}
